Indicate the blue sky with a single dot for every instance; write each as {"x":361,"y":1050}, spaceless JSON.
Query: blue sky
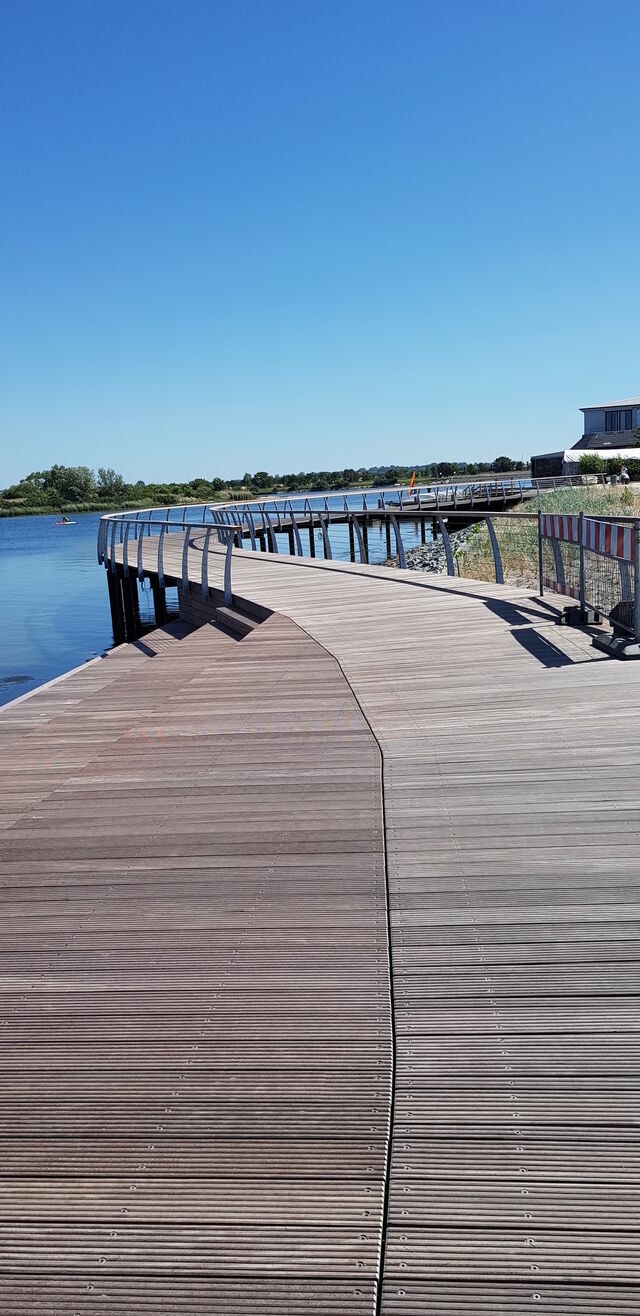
{"x":309,"y":235}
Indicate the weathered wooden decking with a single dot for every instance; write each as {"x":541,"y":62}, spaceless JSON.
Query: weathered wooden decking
{"x":204,"y":1050}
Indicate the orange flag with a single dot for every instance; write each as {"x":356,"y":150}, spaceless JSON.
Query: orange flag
{"x":412,"y":480}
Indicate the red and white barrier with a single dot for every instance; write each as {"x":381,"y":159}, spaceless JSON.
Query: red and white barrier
{"x":565,"y":528}
{"x":608,"y":538}
{"x":550,"y":583}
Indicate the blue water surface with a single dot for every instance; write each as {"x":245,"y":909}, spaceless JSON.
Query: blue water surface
{"x":55,"y":606}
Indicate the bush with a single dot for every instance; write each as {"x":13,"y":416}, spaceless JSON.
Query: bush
{"x":592,"y":464}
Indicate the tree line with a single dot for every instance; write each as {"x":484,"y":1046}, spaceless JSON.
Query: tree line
{"x":78,"y":488}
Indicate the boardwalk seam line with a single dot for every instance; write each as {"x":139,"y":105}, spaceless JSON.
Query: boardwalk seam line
{"x":392,"y":1021}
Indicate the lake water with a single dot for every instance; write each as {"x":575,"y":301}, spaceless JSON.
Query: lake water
{"x":55,"y":606}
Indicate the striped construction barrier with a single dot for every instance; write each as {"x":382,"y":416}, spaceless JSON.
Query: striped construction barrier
{"x":565,"y":528}
{"x":609,"y":538}
{"x":550,"y":583}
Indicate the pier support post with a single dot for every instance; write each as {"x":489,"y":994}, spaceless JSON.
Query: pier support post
{"x":423,"y":530}
{"x":352,"y":544}
{"x":115,"y":605}
{"x":387,"y":531}
{"x":292,"y":547}
{"x":312,"y":542}
{"x":129,"y":587}
{"x":365,"y":539}
{"x":159,"y":604}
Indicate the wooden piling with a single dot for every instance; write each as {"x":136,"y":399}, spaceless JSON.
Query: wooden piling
{"x":115,"y":606}
{"x":131,"y":607}
{"x":159,"y":603}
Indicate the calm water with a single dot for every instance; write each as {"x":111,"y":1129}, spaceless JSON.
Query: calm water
{"x":55,"y":607}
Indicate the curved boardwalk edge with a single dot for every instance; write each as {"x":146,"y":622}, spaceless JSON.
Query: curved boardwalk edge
{"x":195,"y":998}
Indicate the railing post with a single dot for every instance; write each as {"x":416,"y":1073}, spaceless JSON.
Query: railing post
{"x":204,"y":575}
{"x":252,"y":528}
{"x":296,"y":534}
{"x":497,"y":559}
{"x":582,"y":580}
{"x":402,"y":561}
{"x":325,"y":537}
{"x":271,"y":532}
{"x":448,"y":552}
{"x":185,"y":561}
{"x":140,"y":547}
{"x":114,"y":527}
{"x":228,"y":595}
{"x":540,"y":553}
{"x":356,"y":525}
{"x":559,"y":564}
{"x":636,"y":580}
{"x":161,"y":556}
{"x":125,"y":549}
{"x":101,"y":539}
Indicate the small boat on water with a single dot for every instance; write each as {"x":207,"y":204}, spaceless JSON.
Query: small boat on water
{"x":65,"y":521}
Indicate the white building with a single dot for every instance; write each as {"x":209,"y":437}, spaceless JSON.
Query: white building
{"x":611,"y":429}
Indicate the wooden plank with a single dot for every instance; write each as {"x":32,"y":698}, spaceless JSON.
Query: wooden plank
{"x":194,"y":999}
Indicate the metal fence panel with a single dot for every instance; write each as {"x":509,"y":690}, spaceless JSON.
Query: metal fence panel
{"x":595,"y":560}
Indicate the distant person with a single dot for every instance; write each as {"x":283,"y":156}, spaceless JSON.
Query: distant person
{"x":624,"y":475}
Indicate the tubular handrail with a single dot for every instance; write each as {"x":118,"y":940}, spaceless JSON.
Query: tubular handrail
{"x":235,"y":523}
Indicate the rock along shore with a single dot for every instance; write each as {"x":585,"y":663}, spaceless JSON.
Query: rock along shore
{"x":430,"y":557}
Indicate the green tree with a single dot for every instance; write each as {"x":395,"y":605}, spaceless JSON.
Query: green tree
{"x":70,"y":484}
{"x":110,"y":483}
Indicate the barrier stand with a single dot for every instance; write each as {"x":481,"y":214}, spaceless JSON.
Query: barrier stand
{"x":592,"y":560}
{"x":582,"y":615}
{"x":625,"y":641}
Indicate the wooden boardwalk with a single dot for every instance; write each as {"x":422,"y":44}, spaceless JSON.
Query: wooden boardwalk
{"x":204,"y":1051}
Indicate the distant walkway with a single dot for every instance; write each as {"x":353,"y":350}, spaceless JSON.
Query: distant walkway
{"x":211,"y":839}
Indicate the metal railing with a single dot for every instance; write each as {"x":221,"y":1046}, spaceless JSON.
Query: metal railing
{"x":596,"y":561}
{"x":128,"y":531}
{"x":122,"y":538}
{"x":428,"y":498}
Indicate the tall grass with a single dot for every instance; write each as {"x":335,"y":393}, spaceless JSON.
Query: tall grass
{"x":518,"y":538}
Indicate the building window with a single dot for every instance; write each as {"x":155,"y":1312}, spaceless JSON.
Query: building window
{"x":618,"y":420}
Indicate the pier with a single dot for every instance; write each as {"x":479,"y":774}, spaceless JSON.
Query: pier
{"x":320,"y":953}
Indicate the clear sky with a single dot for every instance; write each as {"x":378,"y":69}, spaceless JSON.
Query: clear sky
{"x":305,"y":234}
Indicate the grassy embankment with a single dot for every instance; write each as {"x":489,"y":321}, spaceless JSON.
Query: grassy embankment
{"x":518,"y":538}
